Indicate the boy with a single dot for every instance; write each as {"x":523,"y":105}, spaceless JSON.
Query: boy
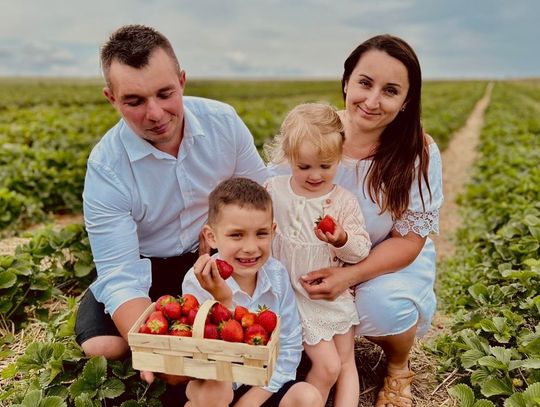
{"x":240,"y":226}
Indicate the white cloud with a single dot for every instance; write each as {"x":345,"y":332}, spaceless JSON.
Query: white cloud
{"x":274,"y":37}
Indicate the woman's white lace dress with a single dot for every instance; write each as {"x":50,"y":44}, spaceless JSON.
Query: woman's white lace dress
{"x":393,"y":303}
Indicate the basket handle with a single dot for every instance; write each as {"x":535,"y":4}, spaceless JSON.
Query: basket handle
{"x":200,"y":319}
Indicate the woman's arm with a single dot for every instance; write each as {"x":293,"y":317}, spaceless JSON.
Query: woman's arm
{"x":389,"y":256}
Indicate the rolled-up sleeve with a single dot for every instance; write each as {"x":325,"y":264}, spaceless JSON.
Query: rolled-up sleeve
{"x":290,"y":351}
{"x":121,"y":274}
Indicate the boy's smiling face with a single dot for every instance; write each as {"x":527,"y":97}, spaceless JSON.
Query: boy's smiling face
{"x":243,"y":238}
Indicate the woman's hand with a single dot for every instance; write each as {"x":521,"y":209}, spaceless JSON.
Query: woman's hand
{"x":326,"y":284}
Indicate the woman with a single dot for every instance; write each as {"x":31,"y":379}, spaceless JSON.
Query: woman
{"x":394,"y":169}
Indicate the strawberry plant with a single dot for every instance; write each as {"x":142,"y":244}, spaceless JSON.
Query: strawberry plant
{"x":491,"y":284}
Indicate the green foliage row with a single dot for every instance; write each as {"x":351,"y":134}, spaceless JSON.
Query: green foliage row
{"x":48,"y":127}
{"x":50,"y":263}
{"x":54,"y":372}
{"x":491,"y":286}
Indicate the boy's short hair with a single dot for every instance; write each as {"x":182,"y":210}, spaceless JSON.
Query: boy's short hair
{"x":237,"y":191}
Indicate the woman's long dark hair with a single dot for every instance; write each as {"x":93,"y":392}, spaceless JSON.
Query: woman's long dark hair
{"x":392,"y":170}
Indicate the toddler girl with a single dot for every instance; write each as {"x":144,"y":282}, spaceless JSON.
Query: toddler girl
{"x":310,"y":142}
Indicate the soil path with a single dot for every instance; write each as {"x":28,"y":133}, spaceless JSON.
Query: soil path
{"x":457,"y":161}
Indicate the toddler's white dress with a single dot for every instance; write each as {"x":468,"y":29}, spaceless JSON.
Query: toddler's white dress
{"x":298,"y":248}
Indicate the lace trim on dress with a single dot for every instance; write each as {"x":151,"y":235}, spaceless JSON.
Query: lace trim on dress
{"x":421,"y":223}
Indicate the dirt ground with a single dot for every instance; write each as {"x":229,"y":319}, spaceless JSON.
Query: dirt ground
{"x":457,"y":160}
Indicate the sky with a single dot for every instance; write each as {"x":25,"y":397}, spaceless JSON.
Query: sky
{"x":453,"y":39}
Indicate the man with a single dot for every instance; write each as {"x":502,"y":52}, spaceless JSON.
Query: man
{"x":147,"y":184}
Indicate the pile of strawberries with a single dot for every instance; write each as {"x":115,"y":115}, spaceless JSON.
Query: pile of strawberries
{"x":176,"y":315}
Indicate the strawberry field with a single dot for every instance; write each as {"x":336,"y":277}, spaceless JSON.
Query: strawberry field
{"x":488,"y":291}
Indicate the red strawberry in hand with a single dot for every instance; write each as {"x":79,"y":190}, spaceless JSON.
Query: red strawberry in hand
{"x":224,"y":268}
{"x":326,"y":224}
{"x":267,"y":319}
{"x":157,"y":323}
{"x":231,"y":331}
{"x":255,"y":335}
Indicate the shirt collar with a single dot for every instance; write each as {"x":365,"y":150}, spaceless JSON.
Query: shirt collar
{"x":138,"y":148}
{"x":263,"y":284}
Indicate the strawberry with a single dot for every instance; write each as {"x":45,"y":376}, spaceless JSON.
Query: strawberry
{"x":143,"y":329}
{"x":326,"y":224}
{"x":211,"y":331}
{"x":248,"y":320}
{"x":239,"y":312}
{"x":190,"y":318}
{"x":231,"y":331}
{"x":189,"y":302}
{"x":179,"y":329}
{"x":224,"y":268}
{"x":267,"y":319}
{"x":157,"y":323}
{"x":219,"y":313}
{"x":172,"y":310}
{"x":256,"y":335}
{"x":164,"y":299}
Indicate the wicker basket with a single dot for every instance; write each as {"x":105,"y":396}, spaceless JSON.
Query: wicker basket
{"x":203,"y":358}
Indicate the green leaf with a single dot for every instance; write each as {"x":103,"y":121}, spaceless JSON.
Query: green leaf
{"x":483,"y":403}
{"x":112,"y":388}
{"x":515,"y":400}
{"x":122,"y":368}
{"x":95,"y":371}
{"x":470,"y":358}
{"x":82,"y":270}
{"x":495,"y":387}
{"x":32,"y":399}
{"x":502,"y":354}
{"x":533,"y":391}
{"x":9,"y":372}
{"x":80,"y":387}
{"x":84,"y":400}
{"x":7,"y":279}
{"x":531,"y":363}
{"x":53,"y":401}
{"x":463,"y":393}
{"x":130,"y":403}
{"x":479,"y":376}
{"x":492,"y":362}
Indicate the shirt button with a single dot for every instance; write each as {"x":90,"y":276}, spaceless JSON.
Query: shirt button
{"x":335,"y":259}
{"x":328,"y":200}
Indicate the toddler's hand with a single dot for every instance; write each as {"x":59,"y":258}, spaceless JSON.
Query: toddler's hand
{"x":336,"y":239}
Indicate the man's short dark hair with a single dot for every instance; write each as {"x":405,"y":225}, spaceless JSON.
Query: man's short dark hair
{"x":133,"y":45}
{"x":239,"y":191}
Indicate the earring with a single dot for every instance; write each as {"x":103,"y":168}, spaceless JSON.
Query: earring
{"x":402,"y":109}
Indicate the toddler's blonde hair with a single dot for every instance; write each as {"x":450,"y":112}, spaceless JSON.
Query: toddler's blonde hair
{"x":314,"y":123}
